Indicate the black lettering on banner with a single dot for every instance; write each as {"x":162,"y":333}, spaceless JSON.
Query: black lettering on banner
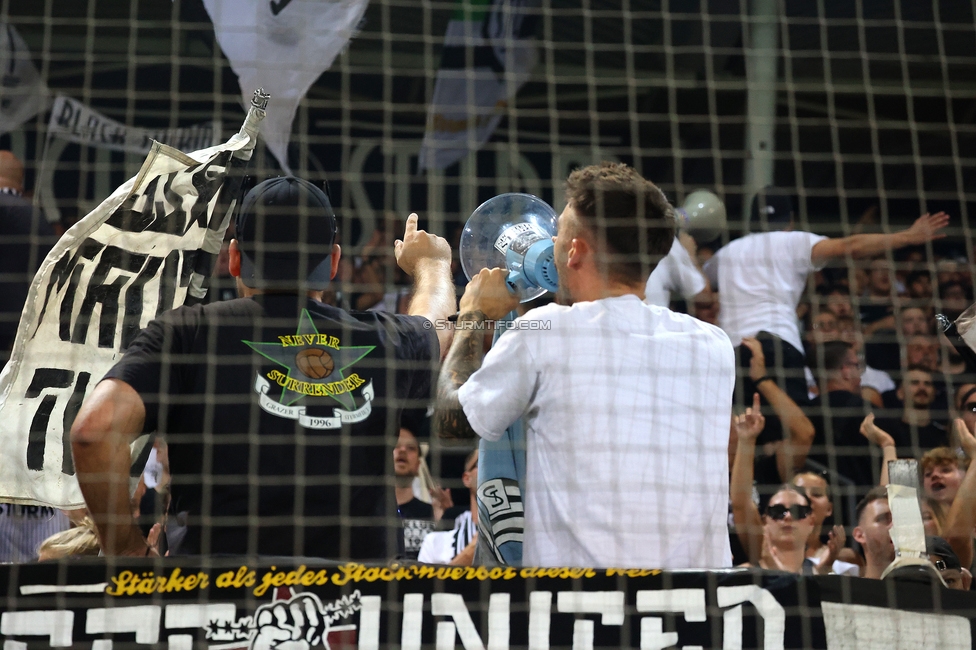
{"x":65,"y":269}
{"x":68,"y":304}
{"x":67,"y":113}
{"x":70,"y":412}
{"x":167,"y":282}
{"x":133,"y":301}
{"x":127,"y":218}
{"x":176,"y":220}
{"x":106,"y":294}
{"x":37,"y":436}
{"x":189,"y":264}
{"x":208,"y":182}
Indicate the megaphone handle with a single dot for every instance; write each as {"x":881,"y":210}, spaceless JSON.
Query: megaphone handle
{"x":511,"y":281}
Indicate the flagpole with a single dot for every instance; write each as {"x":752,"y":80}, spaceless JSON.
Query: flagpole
{"x":958,"y":342}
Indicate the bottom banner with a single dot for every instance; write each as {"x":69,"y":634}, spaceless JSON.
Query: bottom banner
{"x":230,"y":603}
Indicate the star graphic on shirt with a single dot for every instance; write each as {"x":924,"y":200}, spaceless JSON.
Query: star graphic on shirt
{"x":307,"y":338}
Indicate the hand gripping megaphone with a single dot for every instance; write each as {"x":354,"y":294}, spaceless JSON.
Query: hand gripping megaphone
{"x":512,"y":231}
{"x":702,"y":215}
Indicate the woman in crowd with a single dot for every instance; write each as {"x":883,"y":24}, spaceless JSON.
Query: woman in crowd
{"x":823,"y":555}
{"x":778,"y":539}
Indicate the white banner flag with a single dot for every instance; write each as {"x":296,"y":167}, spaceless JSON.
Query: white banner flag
{"x":497,"y":37}
{"x":22,"y":92}
{"x":282,"y":46}
{"x":147,"y":248}
{"x":71,"y":120}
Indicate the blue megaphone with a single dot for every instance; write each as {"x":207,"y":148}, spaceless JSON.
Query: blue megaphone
{"x":512,"y":231}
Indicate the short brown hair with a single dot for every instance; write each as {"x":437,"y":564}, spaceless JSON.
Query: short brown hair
{"x":874,"y":494}
{"x":629,"y":216}
{"x":941,"y":456}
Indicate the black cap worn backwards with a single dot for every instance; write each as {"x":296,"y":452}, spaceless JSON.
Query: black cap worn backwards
{"x":772,"y":207}
{"x":285,"y":232}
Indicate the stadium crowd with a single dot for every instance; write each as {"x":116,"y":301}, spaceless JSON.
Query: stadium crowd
{"x":841,"y":367}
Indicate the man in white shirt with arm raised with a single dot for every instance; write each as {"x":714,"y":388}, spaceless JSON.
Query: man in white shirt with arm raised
{"x":626,"y":404}
{"x":761,"y":278}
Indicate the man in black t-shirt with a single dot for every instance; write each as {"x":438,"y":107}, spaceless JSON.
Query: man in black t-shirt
{"x":416,"y":516}
{"x":915,"y":432}
{"x":279,"y":411}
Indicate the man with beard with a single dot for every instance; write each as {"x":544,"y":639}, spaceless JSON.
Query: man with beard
{"x":626,"y":405}
{"x":873,"y":533}
{"x":915,"y":432}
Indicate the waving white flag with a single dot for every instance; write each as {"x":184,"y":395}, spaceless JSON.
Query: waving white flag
{"x":147,"y":248}
{"x":23,"y":93}
{"x":282,"y":46}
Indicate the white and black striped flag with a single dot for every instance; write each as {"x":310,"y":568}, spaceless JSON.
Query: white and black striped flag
{"x":147,"y":248}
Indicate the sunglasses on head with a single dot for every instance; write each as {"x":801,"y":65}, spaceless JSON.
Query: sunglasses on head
{"x":797,"y":511}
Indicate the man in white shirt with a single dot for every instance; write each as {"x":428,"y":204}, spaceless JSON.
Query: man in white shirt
{"x":626,"y":405}
{"x":677,"y":272}
{"x":761,"y":278}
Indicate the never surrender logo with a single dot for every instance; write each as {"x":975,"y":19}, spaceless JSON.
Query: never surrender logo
{"x":314,"y":365}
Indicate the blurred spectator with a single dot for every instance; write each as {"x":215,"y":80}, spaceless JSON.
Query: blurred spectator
{"x":915,"y":432}
{"x":837,"y":414}
{"x":950,"y":271}
{"x":933,"y":516}
{"x":942,"y":473}
{"x":25,"y":239}
{"x":820,"y":328}
{"x":823,"y":553}
{"x":838,"y":301}
{"x":706,"y":307}
{"x":778,"y":539}
{"x":457,"y":546}
{"x":847,"y":331}
{"x":919,"y":285}
{"x":922,"y":352}
{"x":947,"y":562}
{"x":877,"y":312}
{"x":915,"y":321}
{"x":965,"y":403}
{"x":417,"y":516}
{"x":823,"y":328}
{"x":872,"y":532}
{"x":953,"y":299}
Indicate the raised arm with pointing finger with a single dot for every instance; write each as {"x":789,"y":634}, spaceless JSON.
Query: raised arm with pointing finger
{"x":791,"y":452}
{"x":427,"y":259}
